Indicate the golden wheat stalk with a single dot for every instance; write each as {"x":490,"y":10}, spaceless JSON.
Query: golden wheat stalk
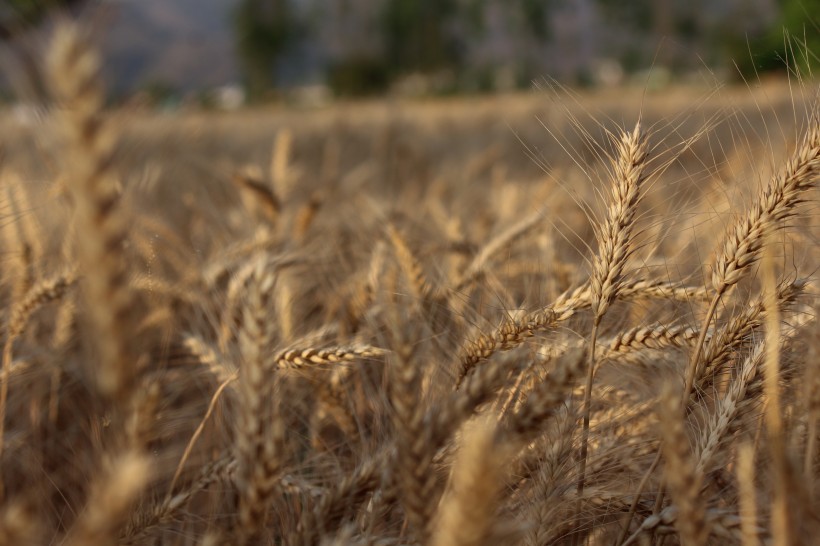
{"x":260,"y":440}
{"x":38,"y":295}
{"x":775,"y":203}
{"x":614,"y":248}
{"x":100,"y":224}
{"x":296,"y":359}
{"x":467,"y":514}
{"x":112,"y":494}
{"x":514,"y":332}
{"x":416,"y":478}
{"x":682,"y":476}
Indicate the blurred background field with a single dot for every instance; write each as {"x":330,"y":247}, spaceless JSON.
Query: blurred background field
{"x":385,"y":147}
{"x":452,"y":161}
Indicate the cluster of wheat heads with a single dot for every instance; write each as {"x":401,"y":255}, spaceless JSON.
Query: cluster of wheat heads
{"x":320,"y":366}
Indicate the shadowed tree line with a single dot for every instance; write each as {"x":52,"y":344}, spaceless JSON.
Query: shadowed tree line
{"x":366,"y":46}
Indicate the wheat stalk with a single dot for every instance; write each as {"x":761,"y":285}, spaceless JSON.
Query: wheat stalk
{"x":111,"y":497}
{"x":614,"y":248}
{"x":682,"y":476}
{"x":37,"y":296}
{"x":261,"y":437}
{"x":467,"y":513}
{"x":100,"y":224}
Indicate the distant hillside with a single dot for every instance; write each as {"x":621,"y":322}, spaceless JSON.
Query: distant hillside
{"x":187,"y":44}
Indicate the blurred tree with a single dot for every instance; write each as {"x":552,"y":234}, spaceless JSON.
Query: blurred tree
{"x":418,"y":35}
{"x":264,"y":30}
{"x":428,"y":35}
{"x":358,"y":76}
{"x":352,"y":46}
{"x":791,"y":42}
{"x":797,"y":36}
{"x":636,"y":18}
{"x":535,"y":13}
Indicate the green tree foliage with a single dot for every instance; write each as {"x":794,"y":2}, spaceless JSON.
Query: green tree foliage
{"x":792,"y":42}
{"x":264,"y":29}
{"x":798,"y":34}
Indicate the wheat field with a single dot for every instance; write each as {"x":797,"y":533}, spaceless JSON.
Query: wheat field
{"x":554,"y":319}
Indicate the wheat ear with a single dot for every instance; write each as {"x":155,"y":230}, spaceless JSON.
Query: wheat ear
{"x":477,"y":389}
{"x":147,"y":520}
{"x":331,"y":508}
{"x":727,"y":409}
{"x":112,"y":494}
{"x":261,"y":436}
{"x":775,"y":203}
{"x":411,"y":268}
{"x":37,"y":296}
{"x":657,"y":336}
{"x":297,"y":359}
{"x":741,"y":248}
{"x":614,"y":248}
{"x":513,"y":332}
{"x":747,"y":509}
{"x":681,"y":474}
{"x":543,"y":400}
{"x":729,"y":338}
{"x":24,"y":241}
{"x":417,"y":480}
{"x":100,"y":225}
{"x":467,"y":513}
{"x":280,"y":176}
{"x":782,"y":521}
